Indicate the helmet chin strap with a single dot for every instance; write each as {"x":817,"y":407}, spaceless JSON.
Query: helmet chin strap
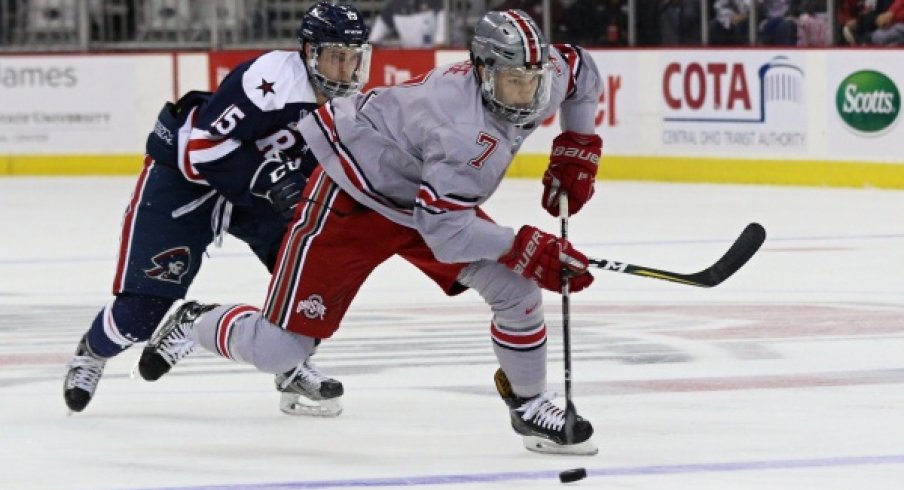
{"x":321,"y":97}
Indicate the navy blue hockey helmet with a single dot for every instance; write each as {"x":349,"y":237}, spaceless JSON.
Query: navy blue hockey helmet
{"x":325,"y":22}
{"x":338,"y":35}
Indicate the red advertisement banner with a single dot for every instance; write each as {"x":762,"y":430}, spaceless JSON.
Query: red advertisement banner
{"x":388,"y":66}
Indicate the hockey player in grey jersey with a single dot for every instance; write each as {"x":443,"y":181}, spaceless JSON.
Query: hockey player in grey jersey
{"x":411,"y":164}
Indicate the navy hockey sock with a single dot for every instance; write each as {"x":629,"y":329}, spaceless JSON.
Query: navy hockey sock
{"x":130,"y":318}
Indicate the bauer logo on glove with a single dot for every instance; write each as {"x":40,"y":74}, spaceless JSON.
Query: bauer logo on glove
{"x":540,"y":256}
{"x":561,"y":151}
{"x":573,"y":164}
{"x":529,"y":250}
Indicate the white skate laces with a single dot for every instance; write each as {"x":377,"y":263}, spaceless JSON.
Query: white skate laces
{"x":178,"y":343}
{"x":85,"y":373}
{"x":549,"y":422}
{"x":305,"y":380}
{"x":172,"y":341}
{"x":306,"y":391}
{"x":541,"y":411}
{"x":308,"y":377}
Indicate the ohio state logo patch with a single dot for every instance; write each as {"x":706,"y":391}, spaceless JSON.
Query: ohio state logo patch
{"x":312,"y":307}
{"x":170,"y":265}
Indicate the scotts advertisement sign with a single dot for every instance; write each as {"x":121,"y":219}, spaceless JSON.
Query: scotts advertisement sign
{"x":720,"y":100}
{"x":868,"y":102}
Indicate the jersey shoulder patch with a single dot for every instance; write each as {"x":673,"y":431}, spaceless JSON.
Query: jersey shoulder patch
{"x":276,"y":79}
{"x":567,"y":62}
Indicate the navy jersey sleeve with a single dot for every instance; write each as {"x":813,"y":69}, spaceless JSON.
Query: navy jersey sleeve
{"x":253,"y":113}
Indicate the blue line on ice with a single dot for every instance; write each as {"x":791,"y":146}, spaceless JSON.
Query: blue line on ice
{"x":412,"y":481}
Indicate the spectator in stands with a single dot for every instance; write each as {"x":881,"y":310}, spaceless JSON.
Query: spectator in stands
{"x":596,"y":23}
{"x":587,"y":24}
{"x":813,"y":24}
{"x":679,"y":22}
{"x":890,"y":26}
{"x":777,"y":28}
{"x":729,"y":24}
{"x":857,"y":19}
{"x":7,"y":20}
{"x":647,"y":21}
{"x":416,"y":23}
{"x":111,"y":20}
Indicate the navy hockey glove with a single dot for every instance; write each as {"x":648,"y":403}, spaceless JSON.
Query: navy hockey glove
{"x":539,"y":256}
{"x":280,"y":181}
{"x":572,"y":168}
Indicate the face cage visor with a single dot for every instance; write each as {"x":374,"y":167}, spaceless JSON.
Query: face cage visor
{"x":339,"y":69}
{"x":518,"y":94}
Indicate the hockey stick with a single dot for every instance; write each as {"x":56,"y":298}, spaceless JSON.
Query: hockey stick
{"x":570,"y":410}
{"x":743,"y":248}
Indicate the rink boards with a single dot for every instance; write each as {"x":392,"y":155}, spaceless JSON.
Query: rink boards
{"x":804,"y":117}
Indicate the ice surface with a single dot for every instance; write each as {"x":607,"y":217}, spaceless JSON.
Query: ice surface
{"x":788,"y":375}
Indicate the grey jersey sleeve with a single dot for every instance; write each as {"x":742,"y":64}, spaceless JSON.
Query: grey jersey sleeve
{"x":452,"y":186}
{"x":584,"y":88}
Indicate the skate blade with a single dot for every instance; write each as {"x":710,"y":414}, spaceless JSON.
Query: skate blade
{"x":297,"y":405}
{"x":134,"y":372}
{"x":545,"y":446}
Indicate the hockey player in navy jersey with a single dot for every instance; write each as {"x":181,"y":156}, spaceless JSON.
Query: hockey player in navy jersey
{"x":228,"y":162}
{"x":411,"y":164}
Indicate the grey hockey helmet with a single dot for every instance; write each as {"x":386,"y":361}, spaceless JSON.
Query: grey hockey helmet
{"x":515,"y":56}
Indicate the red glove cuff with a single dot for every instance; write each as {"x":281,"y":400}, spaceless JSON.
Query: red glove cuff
{"x":583,"y":146}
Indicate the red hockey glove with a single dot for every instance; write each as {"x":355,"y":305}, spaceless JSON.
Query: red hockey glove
{"x":539,"y":256}
{"x":572,"y":168}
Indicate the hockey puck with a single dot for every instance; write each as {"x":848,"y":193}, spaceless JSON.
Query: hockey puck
{"x":572,"y":475}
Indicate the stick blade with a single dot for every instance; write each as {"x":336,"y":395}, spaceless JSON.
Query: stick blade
{"x":746,"y":245}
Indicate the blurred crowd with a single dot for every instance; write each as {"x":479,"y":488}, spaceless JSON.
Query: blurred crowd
{"x":425,"y":23}
{"x":681,"y":22}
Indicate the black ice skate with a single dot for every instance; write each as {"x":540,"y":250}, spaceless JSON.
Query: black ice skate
{"x":542,"y":424}
{"x":172,"y":341}
{"x":306,"y":391}
{"x":85,"y":370}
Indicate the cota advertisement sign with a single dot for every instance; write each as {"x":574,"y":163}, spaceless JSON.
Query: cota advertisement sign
{"x":726,"y":101}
